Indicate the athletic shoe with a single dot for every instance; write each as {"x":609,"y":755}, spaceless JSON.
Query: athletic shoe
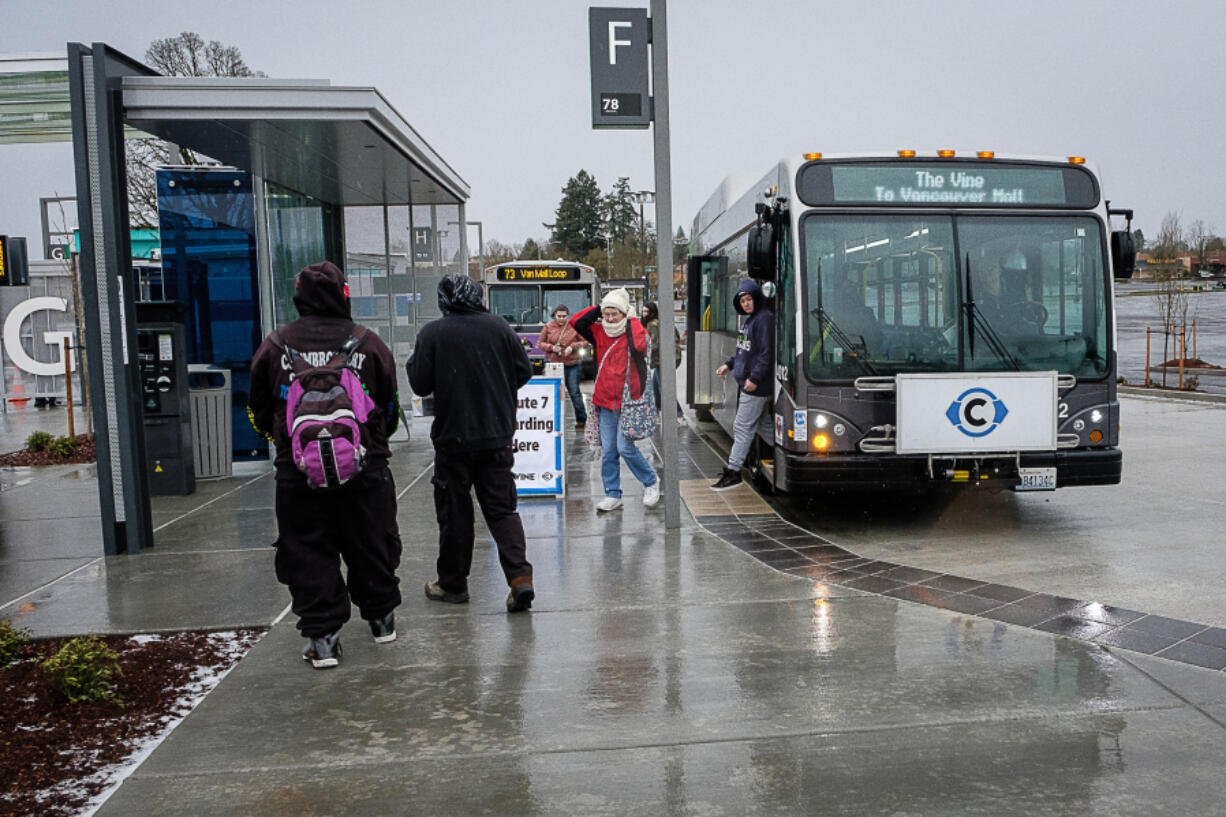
{"x":521,"y":595}
{"x":609,"y":503}
{"x":681,"y":420}
{"x":651,"y":494}
{"x":323,"y":652}
{"x":730,"y":479}
{"x":383,"y":629}
{"x":434,"y":592}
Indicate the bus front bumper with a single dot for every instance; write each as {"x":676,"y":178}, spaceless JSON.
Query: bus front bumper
{"x":834,"y":472}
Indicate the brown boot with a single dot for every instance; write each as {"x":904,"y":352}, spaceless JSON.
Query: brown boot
{"x":521,"y":595}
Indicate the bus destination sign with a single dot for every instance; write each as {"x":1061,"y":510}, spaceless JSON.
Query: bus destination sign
{"x":946,"y":184}
{"x":537,"y":274}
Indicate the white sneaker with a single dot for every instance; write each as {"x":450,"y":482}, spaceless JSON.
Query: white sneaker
{"x":609,"y":503}
{"x":651,"y":494}
{"x":681,"y":421}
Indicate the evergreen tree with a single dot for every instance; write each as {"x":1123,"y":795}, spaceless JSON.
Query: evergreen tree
{"x":681,"y":247}
{"x":621,"y":219}
{"x":577,"y":226}
{"x":530,"y":251}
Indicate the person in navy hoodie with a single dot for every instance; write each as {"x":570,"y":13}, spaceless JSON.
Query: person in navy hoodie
{"x":751,"y":365}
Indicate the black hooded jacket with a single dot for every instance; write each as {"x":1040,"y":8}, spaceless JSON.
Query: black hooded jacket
{"x":474,"y":365}
{"x":754,"y":357}
{"x":322,"y":300}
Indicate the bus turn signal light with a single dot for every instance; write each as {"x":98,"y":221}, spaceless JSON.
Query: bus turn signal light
{"x":1096,"y":436}
{"x":1077,"y":160}
{"x":820,"y":442}
{"x":812,"y":157}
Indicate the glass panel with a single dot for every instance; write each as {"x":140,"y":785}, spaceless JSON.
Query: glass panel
{"x":297,"y":236}
{"x":1038,"y":290}
{"x":881,"y":293}
{"x":207,"y":233}
{"x":574,"y":298}
{"x":886,"y":295}
{"x":516,"y":304}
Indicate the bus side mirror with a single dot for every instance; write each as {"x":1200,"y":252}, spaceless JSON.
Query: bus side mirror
{"x":760,"y":256}
{"x":1123,"y":254}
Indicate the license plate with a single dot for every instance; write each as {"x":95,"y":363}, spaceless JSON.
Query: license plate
{"x":1036,"y":479}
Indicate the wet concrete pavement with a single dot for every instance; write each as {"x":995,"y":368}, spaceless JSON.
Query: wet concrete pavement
{"x":659,"y":672}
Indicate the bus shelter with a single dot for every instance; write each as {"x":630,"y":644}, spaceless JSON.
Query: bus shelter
{"x":333,"y":173}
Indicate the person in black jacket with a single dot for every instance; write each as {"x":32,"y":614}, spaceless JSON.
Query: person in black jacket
{"x":357,"y":521}
{"x":473,"y":364}
{"x":751,"y":366}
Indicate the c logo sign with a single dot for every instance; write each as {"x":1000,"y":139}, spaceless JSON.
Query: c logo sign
{"x":976,"y":412}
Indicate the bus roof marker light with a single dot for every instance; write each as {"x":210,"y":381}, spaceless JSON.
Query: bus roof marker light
{"x":986,"y":154}
{"x":906,"y":154}
{"x":812,"y":157}
{"x":945,"y":154}
{"x":1077,"y":160}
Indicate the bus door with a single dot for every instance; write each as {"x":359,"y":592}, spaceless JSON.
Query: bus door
{"x":702,"y":271}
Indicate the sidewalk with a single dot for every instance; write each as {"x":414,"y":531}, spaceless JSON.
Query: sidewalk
{"x":658,"y":672}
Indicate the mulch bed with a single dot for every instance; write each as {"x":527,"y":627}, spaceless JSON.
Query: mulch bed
{"x":83,"y":453}
{"x":57,"y":755}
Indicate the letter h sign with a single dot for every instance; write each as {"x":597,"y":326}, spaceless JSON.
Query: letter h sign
{"x":620,"y":94}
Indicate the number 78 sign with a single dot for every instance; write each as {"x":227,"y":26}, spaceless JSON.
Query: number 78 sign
{"x":620,"y":94}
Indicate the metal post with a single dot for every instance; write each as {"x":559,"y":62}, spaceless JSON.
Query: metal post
{"x":1147,"y":357}
{"x":72,"y":431}
{"x":664,"y":258}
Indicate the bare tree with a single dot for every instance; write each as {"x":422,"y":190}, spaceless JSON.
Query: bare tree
{"x":1199,"y":239}
{"x":184,"y":56}
{"x":1171,"y":296}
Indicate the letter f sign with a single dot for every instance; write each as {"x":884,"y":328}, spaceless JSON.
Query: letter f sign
{"x":613,"y":41}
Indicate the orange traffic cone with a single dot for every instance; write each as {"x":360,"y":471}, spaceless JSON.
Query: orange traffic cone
{"x":19,"y":388}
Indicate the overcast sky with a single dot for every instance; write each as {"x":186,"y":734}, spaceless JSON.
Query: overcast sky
{"x":501,"y":89}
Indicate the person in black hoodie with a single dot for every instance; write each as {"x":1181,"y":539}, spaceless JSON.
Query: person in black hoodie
{"x":751,"y":365}
{"x":356,"y":521}
{"x":474,"y":365}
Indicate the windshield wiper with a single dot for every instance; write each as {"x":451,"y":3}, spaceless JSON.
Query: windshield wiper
{"x":827,"y":326}
{"x":976,"y":318}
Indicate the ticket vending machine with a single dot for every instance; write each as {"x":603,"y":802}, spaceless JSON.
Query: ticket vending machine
{"x":161,"y":342}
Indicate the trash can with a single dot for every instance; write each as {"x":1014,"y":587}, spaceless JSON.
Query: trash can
{"x":212,"y":447}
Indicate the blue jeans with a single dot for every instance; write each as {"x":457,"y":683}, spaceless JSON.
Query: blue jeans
{"x":570,"y":376}
{"x":614,"y":444}
{"x":655,"y":386}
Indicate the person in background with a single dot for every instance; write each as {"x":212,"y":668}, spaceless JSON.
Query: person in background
{"x":561,"y":344}
{"x":356,"y":521}
{"x":751,"y":365}
{"x":651,"y":322}
{"x":474,"y":365}
{"x":620,"y":344}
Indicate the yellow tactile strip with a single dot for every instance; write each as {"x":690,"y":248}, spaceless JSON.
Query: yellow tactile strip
{"x":738,"y":501}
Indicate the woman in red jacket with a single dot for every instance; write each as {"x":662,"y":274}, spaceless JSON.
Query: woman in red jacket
{"x":620,"y":344}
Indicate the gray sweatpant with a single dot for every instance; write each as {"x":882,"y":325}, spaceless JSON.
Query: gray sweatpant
{"x":749,"y":413}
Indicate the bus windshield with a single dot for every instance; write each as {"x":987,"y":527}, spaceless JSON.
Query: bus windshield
{"x":534,"y":304}
{"x":890,"y":294}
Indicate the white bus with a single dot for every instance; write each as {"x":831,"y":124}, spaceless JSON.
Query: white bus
{"x":526,"y":293}
{"x":939,"y":319}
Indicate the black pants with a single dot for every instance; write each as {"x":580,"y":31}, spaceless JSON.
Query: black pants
{"x":456,"y":473}
{"x":316,"y":529}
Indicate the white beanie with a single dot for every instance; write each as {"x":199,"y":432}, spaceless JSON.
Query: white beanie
{"x":619,"y":299}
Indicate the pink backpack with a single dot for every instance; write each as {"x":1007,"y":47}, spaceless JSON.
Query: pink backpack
{"x":325,"y":413}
